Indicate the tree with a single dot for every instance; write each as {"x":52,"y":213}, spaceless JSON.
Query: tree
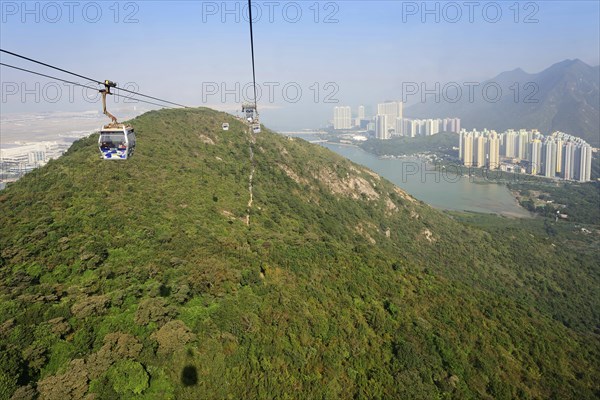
{"x":128,"y":376}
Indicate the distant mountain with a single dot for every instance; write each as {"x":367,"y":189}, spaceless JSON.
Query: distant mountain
{"x":563,"y":97}
{"x":161,"y":277}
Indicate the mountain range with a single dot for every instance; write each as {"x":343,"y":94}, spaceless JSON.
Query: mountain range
{"x":564,"y":97}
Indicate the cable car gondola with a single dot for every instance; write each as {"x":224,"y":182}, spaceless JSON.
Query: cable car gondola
{"x":225,"y":126}
{"x":251,"y":116}
{"x":249,"y":109}
{"x":116,"y":141}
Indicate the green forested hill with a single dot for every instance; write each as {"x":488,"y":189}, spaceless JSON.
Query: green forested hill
{"x":154,"y":279}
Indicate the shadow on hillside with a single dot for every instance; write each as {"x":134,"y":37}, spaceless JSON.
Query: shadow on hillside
{"x":189,"y":376}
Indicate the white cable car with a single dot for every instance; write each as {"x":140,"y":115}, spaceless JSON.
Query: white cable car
{"x":116,"y":142}
{"x":225,"y":126}
{"x":249,"y":109}
{"x":251,"y":116}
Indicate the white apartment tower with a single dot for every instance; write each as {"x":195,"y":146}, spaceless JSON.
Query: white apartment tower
{"x":549,"y":159}
{"x":494,"y":151}
{"x":342,"y":118}
{"x":361,"y":112}
{"x":535,"y":156}
{"x":479,"y":151}
{"x":391,"y":109}
{"x":381,"y":127}
{"x":466,"y":151}
{"x":585,"y":166}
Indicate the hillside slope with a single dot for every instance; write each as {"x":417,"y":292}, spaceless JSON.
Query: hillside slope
{"x":157,"y":278}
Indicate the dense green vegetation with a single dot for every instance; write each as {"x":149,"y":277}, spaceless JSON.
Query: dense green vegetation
{"x":142,"y":280}
{"x":581,"y":202}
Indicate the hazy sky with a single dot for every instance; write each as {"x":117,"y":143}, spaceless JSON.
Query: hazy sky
{"x":353,"y":52}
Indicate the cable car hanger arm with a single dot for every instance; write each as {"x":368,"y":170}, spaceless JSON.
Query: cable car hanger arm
{"x":107,"y":85}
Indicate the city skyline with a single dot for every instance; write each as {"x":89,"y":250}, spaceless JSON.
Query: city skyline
{"x":391,"y":114}
{"x":558,"y":155}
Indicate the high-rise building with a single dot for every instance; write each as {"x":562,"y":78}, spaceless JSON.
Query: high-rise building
{"x":450,"y":125}
{"x":577,"y":161}
{"x":548,"y":158}
{"x":479,"y":158}
{"x":407,"y":127}
{"x":400,"y":127}
{"x":461,"y":145}
{"x":510,"y":144}
{"x":432,"y":126}
{"x":587,"y":168}
{"x":523,"y":145}
{"x":568,"y":161}
{"x":413,"y":128}
{"x":359,"y":117}
{"x":559,"y":156}
{"x":342,"y":118}
{"x":582,"y":164}
{"x":493,"y":151}
{"x":416,"y":127}
{"x":361,"y":112}
{"x":456,"y":125}
{"x":381,"y":127}
{"x":535,"y":156}
{"x":466,"y":148}
{"x":392,"y":109}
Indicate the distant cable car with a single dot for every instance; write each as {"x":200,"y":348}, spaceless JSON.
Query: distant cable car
{"x":251,"y":116}
{"x":225,"y":126}
{"x":116,"y":141}
{"x":249,"y":109}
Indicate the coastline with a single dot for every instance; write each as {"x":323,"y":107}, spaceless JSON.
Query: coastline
{"x":419,"y":183}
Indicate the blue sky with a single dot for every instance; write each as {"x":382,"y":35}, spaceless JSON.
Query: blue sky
{"x":362,"y":54}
